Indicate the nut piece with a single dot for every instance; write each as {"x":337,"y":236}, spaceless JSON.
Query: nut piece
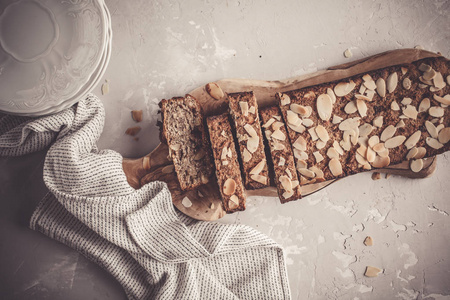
{"x":307,"y":173}
{"x":259,"y":178}
{"x":421,"y":152}
{"x":391,"y":82}
{"x":444,"y":135}
{"x":234,"y":202}
{"x":433,"y":143}
{"x":416,"y":165}
{"x":335,"y":167}
{"x":413,"y":139}
{"x":432,"y":130}
{"x":214,"y":90}
{"x":250,"y":130}
{"x":381,"y":162}
{"x":319,"y":157}
{"x":259,"y":167}
{"x":332,"y":153}
{"x":362,"y":107}
{"x":351,"y":107}
{"x":394,"y":106}
{"x":324,"y":107}
{"x":406,"y":83}
{"x":388,"y":132}
{"x":348,"y":53}
{"x":369,"y":241}
{"x":300,"y":143}
{"x":410,"y":111}
{"x":252,"y":144}
{"x":436,"y":111}
{"x":412,"y":153}
{"x":299,"y":109}
{"x":336,"y":119}
{"x":378,"y":121}
{"x":381,"y":87}
{"x":424,"y":105}
{"x":444,"y":100}
{"x":136,"y":115}
{"x":284,"y":99}
{"x":279,"y":135}
{"x":372,"y":271}
{"x":229,"y":187}
{"x":186,"y":202}
{"x":344,"y":88}
{"x":438,"y":81}
{"x":244,"y":108}
{"x":332,"y":95}
{"x":246,"y":156}
{"x":394,"y":141}
{"x":322,"y":133}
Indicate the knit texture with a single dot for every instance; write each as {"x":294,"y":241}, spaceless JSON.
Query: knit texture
{"x":153,"y":250}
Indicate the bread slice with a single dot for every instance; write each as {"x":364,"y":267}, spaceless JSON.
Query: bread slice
{"x":183,"y":131}
{"x":286,"y":178}
{"x":227,"y":166}
{"x":371,"y":120}
{"x":244,"y":112}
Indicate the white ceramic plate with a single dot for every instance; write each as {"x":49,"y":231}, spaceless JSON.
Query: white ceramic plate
{"x":49,"y":50}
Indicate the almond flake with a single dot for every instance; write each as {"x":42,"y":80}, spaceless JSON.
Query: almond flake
{"x":424,"y":105}
{"x":413,"y":139}
{"x":400,"y":124}
{"x":362,"y":108}
{"x":279,"y":135}
{"x":338,"y":148}
{"x":404,"y":70}
{"x":320,"y":144}
{"x":214,"y":90}
{"x":362,"y":97}
{"x":286,"y":183}
{"x":322,"y":133}
{"x":244,"y":108}
{"x":287,"y":195}
{"x":299,"y":128}
{"x":318,"y":172}
{"x":444,"y":135}
{"x":282,"y":161}
{"x":375,"y":176}
{"x":269,"y":122}
{"x":299,"y":109}
{"x":407,"y":83}
{"x":416,"y":165}
{"x":406,"y":101}
{"x":394,"y":106}
{"x":258,"y":168}
{"x":436,"y":111}
{"x":381,"y":162}
{"x":378,"y":121}
{"x":421,"y":152}
{"x":379,"y":147}
{"x":319,"y":157}
{"x":308,"y":122}
{"x":307,"y":173}
{"x":277,"y":125}
{"x":234,"y":202}
{"x":373,"y":140}
{"x":348,"y":124}
{"x":277,"y":146}
{"x":351,"y":107}
{"x":370,"y":94}
{"x":278,"y":118}
{"x":224,"y":153}
{"x":394,"y":141}
{"x":186,"y":202}
{"x":432,"y":130}
{"x":344,"y":88}
{"x":336,"y":119}
{"x":360,"y":159}
{"x":433,"y":143}
{"x":300,"y":143}
{"x":225,"y":162}
{"x":424,"y":67}
{"x":372,"y":271}
{"x":313,"y":134}
{"x":444,"y":100}
{"x":332,"y":95}
{"x":300,"y":154}
{"x":391,"y":82}
{"x":289,"y":174}
{"x":252,"y":110}
{"x":371,"y":85}
{"x":410,"y":111}
{"x":388,"y":132}
{"x":362,"y":150}
{"x":381,"y":87}
{"x":324,"y":106}
{"x":346,"y":145}
{"x":370,"y":155}
{"x":367,"y":77}
{"x":362,"y":89}
{"x":412,"y":153}
{"x":252,"y":144}
{"x":268,"y":134}
{"x":332,"y":153}
{"x":284,"y":99}
{"x":335,"y":167}
{"x":429,"y":75}
{"x":302,"y":164}
{"x":259,"y":178}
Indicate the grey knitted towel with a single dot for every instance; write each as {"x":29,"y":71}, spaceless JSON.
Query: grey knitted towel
{"x":154,"y":251}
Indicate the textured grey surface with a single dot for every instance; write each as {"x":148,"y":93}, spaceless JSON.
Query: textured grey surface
{"x":167,"y":48}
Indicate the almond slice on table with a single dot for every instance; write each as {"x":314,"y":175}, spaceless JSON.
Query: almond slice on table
{"x":372,"y":271}
{"x":335,"y":167}
{"x":214,"y":90}
{"x":284,"y":99}
{"x":416,"y":165}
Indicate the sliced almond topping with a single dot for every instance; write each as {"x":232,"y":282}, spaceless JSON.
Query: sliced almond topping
{"x":259,"y":178}
{"x":322,"y":133}
{"x":391,"y":82}
{"x":421,"y":152}
{"x":277,"y":125}
{"x":372,"y":271}
{"x":406,"y":101}
{"x":407,"y":83}
{"x":335,"y":167}
{"x":424,"y":67}
{"x":308,"y":122}
{"x":225,"y":162}
{"x":416,"y":165}
{"x":307,"y":173}
{"x":370,"y":94}
{"x":269,"y":122}
{"x":388,"y":132}
{"x":268,"y":134}
{"x":362,"y":107}
{"x":433,"y":143}
{"x":284,"y":99}
{"x":371,"y":85}
{"x":360,"y":159}
{"x":302,"y":164}
{"x":412,"y":153}
{"x":186,"y":202}
{"x":363,"y":140}
{"x":309,"y":94}
{"x":313,"y":134}
{"x":438,"y":81}
{"x":282,"y":161}
{"x":413,"y":139}
{"x":440,"y":127}
{"x":252,"y":144}
{"x":234,"y":202}
{"x":308,"y":114}
{"x":444,"y":135}
{"x":436,"y":111}
{"x":379,"y":147}
{"x":136,"y":115}
{"x":244,"y":108}
{"x":224,"y":153}
{"x":287,"y":195}
{"x":348,"y":124}
{"x":250,"y":130}
{"x":286,"y":183}
{"x":370,"y":156}
{"x":429,"y":75}
{"x":362,"y":150}
{"x":341,"y":89}
{"x":400,"y":124}
{"x":394,"y":141}
{"x":277,"y":146}
{"x":279,"y":135}
{"x":336,"y":119}
{"x":278,"y":118}
{"x":338,"y":148}
{"x":351,"y":107}
{"x":299,"y":128}
{"x":365,"y":129}
{"x":346,"y":145}
{"x":432,"y":130}
{"x":320,"y":144}
{"x":299,"y":109}
{"x":373,"y":140}
{"x":252,"y":110}
{"x":381,"y":162}
{"x":229,"y":187}
{"x":214,"y":90}
{"x":292,"y":118}
{"x":410,"y":111}
{"x":381,"y":87}
{"x":332,"y":95}
{"x":289,"y":174}
{"x":319,"y":157}
{"x":362,"y":97}
{"x":378,"y":121}
{"x":444,"y":100}
{"x":384,"y":153}
{"x":394,"y":106}
{"x":324,"y":106}
{"x":375,"y":176}
{"x":422,"y":86}
{"x":332,"y":153}
{"x":259,"y":167}
{"x":404,"y":70}
{"x":367,"y":77}
{"x":424,"y":105}
{"x":300,"y":143}
{"x":300,"y":154}
{"x":434,"y":89}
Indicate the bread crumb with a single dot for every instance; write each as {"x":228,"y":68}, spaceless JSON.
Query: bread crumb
{"x":136,"y":115}
{"x":133,"y":130}
{"x":372,"y":271}
{"x":368,"y":241}
{"x":105,"y":88}
{"x":376,"y":176}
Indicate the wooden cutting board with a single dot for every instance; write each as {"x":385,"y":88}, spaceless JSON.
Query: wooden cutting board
{"x":204,"y":203}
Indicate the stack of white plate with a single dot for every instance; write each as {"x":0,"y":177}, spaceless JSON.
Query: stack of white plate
{"x":52,"y":53}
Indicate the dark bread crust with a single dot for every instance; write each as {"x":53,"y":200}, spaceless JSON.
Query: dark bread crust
{"x":240,"y":121}
{"x":380,"y":106}
{"x":183,"y":128}
{"x":221,"y":136}
{"x":282,"y":159}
